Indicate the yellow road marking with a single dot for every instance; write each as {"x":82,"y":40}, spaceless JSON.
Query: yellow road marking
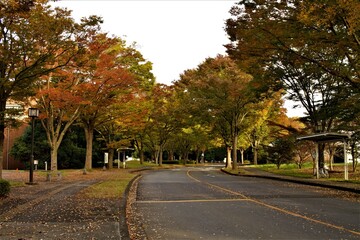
{"x":192,"y":200}
{"x":274,"y":207}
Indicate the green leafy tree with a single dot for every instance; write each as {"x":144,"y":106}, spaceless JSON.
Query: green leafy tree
{"x":282,"y":151}
{"x":258,"y":127}
{"x":71,"y":151}
{"x":164,"y":119}
{"x":219,"y":93}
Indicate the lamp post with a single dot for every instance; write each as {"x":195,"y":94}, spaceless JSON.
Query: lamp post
{"x":33,"y":113}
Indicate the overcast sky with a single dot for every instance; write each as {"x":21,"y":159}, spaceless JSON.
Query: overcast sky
{"x":173,"y":35}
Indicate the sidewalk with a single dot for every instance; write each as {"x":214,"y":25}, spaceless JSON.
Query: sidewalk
{"x":323,"y":182}
{"x":59,"y":210}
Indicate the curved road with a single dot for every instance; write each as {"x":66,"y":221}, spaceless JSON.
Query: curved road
{"x":204,"y":203}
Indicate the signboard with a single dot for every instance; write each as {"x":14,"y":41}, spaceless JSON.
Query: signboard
{"x":106,"y":157}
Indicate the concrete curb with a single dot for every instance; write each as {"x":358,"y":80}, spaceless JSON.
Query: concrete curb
{"x":124,"y":230}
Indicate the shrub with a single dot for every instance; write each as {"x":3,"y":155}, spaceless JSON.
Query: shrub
{"x":4,"y":188}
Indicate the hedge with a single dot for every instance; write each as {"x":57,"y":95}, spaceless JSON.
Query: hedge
{"x":4,"y":188}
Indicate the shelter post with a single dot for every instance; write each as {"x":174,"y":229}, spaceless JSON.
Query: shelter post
{"x":346,"y":172}
{"x":317,"y":160}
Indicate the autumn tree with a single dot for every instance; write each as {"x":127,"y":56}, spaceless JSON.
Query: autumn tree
{"x":183,"y":141}
{"x":60,"y":103}
{"x":34,"y":41}
{"x":258,"y":127}
{"x":60,"y":93}
{"x":323,"y":33}
{"x":115,"y":137}
{"x":108,"y":81}
{"x":125,"y":124}
{"x":311,"y":47}
{"x":135,"y":114}
{"x":219,"y":92}
{"x":134,"y":119}
{"x":202,"y":141}
{"x":164,"y":119}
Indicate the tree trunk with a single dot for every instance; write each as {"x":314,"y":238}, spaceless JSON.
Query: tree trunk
{"x":331,"y":156}
{"x":353,"y":155}
{"x":234,"y":152}
{"x":2,"y":133}
{"x":160,"y":156}
{"x":186,"y":155}
{"x":228,"y":157}
{"x":141,"y":152}
{"x":53,"y":156}
{"x":197,"y":156}
{"x":111,"y":158}
{"x":1,"y":149}
{"x":139,"y":145}
{"x":171,"y":155}
{"x":321,"y":155}
{"x":242,"y":155}
{"x":156,"y":155}
{"x":89,"y":137}
{"x":255,"y":156}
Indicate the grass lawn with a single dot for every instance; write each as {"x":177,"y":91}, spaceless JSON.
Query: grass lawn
{"x":113,"y":186}
{"x":337,"y":174}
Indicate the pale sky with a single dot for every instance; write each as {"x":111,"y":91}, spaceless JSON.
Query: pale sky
{"x":173,"y":35}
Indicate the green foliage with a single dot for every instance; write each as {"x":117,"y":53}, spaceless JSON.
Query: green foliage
{"x":136,"y":164}
{"x":4,"y":188}
{"x":71,"y":152}
{"x":22,"y":146}
{"x":215,"y":154}
{"x":282,"y":151}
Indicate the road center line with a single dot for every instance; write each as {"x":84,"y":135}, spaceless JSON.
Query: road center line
{"x":192,"y":201}
{"x":273,"y":207}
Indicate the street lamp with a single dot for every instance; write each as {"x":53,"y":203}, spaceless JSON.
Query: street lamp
{"x":33,"y":113}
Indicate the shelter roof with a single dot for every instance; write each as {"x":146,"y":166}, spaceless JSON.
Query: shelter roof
{"x":325,"y":137}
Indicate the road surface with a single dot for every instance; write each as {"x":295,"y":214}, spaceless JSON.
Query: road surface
{"x":204,"y":203}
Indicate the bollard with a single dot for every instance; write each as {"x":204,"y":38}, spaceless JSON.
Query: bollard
{"x":59,"y":176}
{"x":48,"y":177}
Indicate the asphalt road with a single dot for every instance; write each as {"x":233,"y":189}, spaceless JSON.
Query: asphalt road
{"x":204,"y":203}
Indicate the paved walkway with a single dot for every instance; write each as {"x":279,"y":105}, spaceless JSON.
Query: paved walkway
{"x":56,"y":210}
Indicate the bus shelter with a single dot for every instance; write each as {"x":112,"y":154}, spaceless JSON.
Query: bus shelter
{"x":123,"y":150}
{"x":318,"y":138}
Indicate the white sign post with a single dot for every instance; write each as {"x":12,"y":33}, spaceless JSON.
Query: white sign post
{"x":106,"y":159}
{"x":36,"y":162}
